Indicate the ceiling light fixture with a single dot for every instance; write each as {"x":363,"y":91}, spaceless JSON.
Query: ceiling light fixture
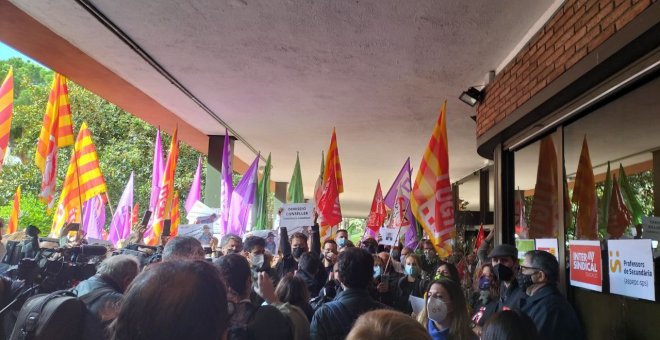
{"x":472,"y":96}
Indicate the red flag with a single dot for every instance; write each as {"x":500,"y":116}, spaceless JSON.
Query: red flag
{"x":619,"y":218}
{"x":544,"y":217}
{"x":134,"y":215}
{"x":479,"y":239}
{"x":378,"y":213}
{"x":329,"y":203}
{"x":584,"y":195}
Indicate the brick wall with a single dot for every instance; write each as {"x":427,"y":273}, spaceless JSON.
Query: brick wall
{"x":577,"y":28}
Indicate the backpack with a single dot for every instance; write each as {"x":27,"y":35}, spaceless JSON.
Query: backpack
{"x":58,"y":315}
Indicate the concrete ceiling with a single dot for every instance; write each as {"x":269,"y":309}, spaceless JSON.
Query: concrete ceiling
{"x":284,"y":73}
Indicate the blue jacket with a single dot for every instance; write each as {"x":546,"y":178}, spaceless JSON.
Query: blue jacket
{"x":335,"y":319}
{"x":553,"y":316}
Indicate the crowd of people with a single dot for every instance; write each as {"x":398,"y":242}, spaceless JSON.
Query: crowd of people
{"x":338,"y":291}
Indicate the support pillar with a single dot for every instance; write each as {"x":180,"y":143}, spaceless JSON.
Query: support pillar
{"x":214,"y":169}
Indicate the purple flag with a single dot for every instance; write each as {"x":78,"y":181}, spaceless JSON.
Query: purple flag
{"x":410,"y":238}
{"x":402,"y":180}
{"x":195,"y":192}
{"x":120,"y":227}
{"x":94,"y":217}
{"x":242,"y":198}
{"x":226,"y":184}
{"x":156,"y":172}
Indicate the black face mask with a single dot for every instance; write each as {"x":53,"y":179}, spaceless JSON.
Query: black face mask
{"x":524,"y":281}
{"x":502,"y":272}
{"x":297,"y":252}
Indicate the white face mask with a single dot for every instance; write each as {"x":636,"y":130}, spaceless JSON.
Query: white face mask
{"x":437,"y":309}
{"x":257,"y":260}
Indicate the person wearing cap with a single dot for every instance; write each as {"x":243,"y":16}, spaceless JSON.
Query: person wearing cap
{"x":504,"y":259}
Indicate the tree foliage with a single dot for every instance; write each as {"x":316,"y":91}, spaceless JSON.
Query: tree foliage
{"x":124,"y":143}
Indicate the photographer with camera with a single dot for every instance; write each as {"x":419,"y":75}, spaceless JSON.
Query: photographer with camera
{"x":103,"y":293}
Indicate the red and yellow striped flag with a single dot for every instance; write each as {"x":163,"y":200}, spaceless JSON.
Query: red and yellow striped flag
{"x":176,"y":215}
{"x":165,"y":195}
{"x":83,"y":181}
{"x":6,"y":110}
{"x":16,"y":209}
{"x":333,"y":160}
{"x":432,"y":201}
{"x":56,"y":131}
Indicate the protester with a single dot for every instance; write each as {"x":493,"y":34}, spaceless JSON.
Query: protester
{"x":447,"y":271}
{"x":395,"y":258}
{"x":546,"y":306}
{"x":292,"y":248}
{"x":510,"y":325}
{"x":370,"y":244}
{"x":404,"y":253}
{"x":231,"y":244}
{"x":387,"y":325}
{"x":248,"y":321}
{"x":410,"y":284}
{"x":341,"y":237}
{"x":293,"y":290}
{"x":484,"y":298}
{"x":191,"y":305}
{"x":334,"y":319}
{"x":504,"y":259}
{"x":183,"y":248}
{"x":254,"y":249}
{"x":430,"y":259}
{"x":386,"y":280}
{"x":445,"y":312}
{"x":329,"y":290}
{"x":308,"y":267}
{"x":206,"y":237}
{"x":329,"y":255}
{"x":270,"y":243}
{"x":103,"y":292}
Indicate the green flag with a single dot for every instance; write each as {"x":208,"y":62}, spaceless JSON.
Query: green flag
{"x":604,"y":203}
{"x":295,"y":192}
{"x":261,"y":201}
{"x":629,"y":198}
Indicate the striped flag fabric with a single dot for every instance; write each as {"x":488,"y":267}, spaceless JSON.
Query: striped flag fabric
{"x":6,"y":112}
{"x":56,"y":131}
{"x":12,"y":227}
{"x":332,"y":160}
{"x":163,"y":208}
{"x":176,"y":215}
{"x":83,"y":181}
{"x":431,"y":198}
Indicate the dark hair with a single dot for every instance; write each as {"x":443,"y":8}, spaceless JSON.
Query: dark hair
{"x":183,"y":248}
{"x":192,"y":305}
{"x":355,"y":268}
{"x":292,"y":289}
{"x":253,"y":241}
{"x":427,"y":242}
{"x":331,"y":241}
{"x":309,"y":262}
{"x":235,"y":271}
{"x":509,"y":325}
{"x":546,"y":262}
{"x":228,"y":237}
{"x":342,"y":231}
{"x":370,"y":242}
{"x":299,"y":235}
{"x":453,"y":272}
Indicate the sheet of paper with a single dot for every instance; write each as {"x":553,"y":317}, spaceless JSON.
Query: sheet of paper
{"x":417,"y":304}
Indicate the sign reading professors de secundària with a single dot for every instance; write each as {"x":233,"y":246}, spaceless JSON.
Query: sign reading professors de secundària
{"x":630,"y":266}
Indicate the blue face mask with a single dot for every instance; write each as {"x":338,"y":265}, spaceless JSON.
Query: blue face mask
{"x":377,"y":271}
{"x":409,"y":270}
{"x":341,"y":241}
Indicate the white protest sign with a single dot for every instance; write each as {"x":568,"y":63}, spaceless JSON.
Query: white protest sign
{"x":631,"y":268}
{"x":549,"y":245}
{"x":192,"y":230}
{"x":296,"y":215}
{"x":388,"y":236}
{"x":651,"y":229}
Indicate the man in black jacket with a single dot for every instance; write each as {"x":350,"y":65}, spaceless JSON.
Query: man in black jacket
{"x":553,"y":316}
{"x":308,"y":267}
{"x":293,"y":247}
{"x":504,"y":259}
{"x":335,"y":319}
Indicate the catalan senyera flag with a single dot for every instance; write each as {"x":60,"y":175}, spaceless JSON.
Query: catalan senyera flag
{"x":6,"y":111}
{"x":584,"y":195}
{"x":163,"y":208}
{"x":176,"y":215}
{"x":333,"y":160}
{"x":12,"y":227}
{"x":56,"y":131}
{"x":432,"y":199}
{"x":83,"y":181}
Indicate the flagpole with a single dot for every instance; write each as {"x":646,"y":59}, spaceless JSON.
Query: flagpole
{"x":107,"y":198}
